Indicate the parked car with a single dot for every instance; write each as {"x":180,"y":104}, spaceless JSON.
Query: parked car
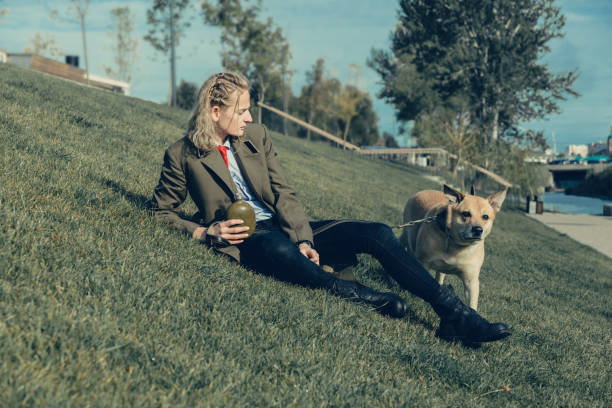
{"x":579,"y":160}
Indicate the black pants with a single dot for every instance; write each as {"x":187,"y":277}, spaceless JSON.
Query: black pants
{"x":271,"y":252}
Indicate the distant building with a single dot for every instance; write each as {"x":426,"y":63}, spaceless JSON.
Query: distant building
{"x":598,"y":149}
{"x":539,"y":157}
{"x":69,"y":71}
{"x":578,"y":150}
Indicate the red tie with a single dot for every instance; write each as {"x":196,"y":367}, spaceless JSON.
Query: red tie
{"x":223,"y":151}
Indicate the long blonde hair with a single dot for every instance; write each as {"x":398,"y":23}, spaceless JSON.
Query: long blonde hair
{"x":218,"y":90}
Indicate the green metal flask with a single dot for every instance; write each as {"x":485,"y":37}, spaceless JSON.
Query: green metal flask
{"x":241,"y":210}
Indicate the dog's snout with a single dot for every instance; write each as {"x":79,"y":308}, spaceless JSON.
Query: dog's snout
{"x":477,"y":230}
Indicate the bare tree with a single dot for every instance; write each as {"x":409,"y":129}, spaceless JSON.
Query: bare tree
{"x":460,"y":132}
{"x":451,"y":127}
{"x":43,"y":45}
{"x":78,"y":9}
{"x":3,"y":12}
{"x":125,"y":46}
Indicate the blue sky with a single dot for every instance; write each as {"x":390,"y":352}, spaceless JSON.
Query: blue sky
{"x":343,"y":33}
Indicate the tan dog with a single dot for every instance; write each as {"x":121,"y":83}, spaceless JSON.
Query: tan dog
{"x":454,"y":243}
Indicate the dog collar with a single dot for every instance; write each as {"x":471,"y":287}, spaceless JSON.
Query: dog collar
{"x":441,"y":220}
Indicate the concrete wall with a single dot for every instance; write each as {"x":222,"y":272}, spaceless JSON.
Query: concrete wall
{"x":21,"y":60}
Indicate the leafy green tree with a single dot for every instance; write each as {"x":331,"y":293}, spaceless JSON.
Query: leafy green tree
{"x":125,"y":46}
{"x":313,"y":92}
{"x":326,"y":103}
{"x":328,"y":107}
{"x":252,"y":47}
{"x":286,"y":75}
{"x":318,"y":98}
{"x":186,"y":95}
{"x":486,"y":51}
{"x":389,"y":140}
{"x":364,"y":126}
{"x":167,"y":20}
{"x":346,"y":103}
{"x":347,"y":100}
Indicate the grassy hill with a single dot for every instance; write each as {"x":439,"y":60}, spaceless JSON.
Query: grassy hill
{"x":100,"y":305}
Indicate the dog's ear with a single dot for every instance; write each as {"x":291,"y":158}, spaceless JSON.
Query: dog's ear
{"x":496,"y":199}
{"x":472,"y":190}
{"x":454,"y":196}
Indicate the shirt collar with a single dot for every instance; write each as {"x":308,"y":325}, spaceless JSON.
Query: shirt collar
{"x":226,"y":144}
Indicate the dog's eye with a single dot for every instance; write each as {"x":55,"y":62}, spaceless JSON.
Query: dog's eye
{"x":485,"y":217}
{"x":466,"y":214}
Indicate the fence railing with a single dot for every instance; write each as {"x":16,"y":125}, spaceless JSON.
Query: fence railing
{"x":383,"y":152}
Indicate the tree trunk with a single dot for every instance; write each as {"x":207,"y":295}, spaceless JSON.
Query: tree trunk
{"x":172,"y":57}
{"x":310,"y":117}
{"x":262,"y":95}
{"x":456,"y":167}
{"x":259,"y":110}
{"x":285,"y":106}
{"x":346,"y":130}
{"x":82,"y":15}
{"x":261,"y":99}
{"x":495,"y":130}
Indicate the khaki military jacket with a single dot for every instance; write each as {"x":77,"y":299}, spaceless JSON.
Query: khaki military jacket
{"x":205,"y":177}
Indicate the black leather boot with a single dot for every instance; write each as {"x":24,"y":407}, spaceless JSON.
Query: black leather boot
{"x":386,"y":303}
{"x":460,"y":322}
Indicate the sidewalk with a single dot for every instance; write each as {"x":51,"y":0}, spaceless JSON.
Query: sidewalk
{"x":592,"y":230}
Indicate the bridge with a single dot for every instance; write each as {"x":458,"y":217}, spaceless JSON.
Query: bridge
{"x":568,"y":175}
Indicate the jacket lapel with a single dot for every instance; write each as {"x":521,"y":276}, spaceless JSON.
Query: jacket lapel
{"x":214,"y":163}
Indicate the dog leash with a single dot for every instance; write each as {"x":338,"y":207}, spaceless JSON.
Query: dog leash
{"x":421,"y":221}
{"x":218,"y":242}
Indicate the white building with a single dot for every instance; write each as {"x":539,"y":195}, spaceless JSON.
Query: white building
{"x":578,"y":150}
{"x":67,"y":71}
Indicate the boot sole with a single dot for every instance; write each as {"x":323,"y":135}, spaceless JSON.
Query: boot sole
{"x":498,"y":336}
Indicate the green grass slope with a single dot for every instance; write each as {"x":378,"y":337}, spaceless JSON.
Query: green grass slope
{"x":100,"y":305}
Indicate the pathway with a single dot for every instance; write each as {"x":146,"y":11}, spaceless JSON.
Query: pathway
{"x":592,"y":230}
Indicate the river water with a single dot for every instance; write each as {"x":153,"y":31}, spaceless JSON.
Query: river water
{"x":571,"y":204}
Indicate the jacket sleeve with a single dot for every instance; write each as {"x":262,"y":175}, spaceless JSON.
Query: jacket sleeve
{"x":288,"y":208}
{"x":171,"y":192}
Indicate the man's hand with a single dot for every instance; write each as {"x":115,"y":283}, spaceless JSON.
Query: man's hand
{"x":309,"y":252}
{"x":226,"y":230}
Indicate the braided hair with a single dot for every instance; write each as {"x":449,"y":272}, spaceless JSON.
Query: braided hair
{"x":219,"y":90}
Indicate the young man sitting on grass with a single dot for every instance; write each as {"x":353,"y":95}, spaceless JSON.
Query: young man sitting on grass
{"x":224,"y":158}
